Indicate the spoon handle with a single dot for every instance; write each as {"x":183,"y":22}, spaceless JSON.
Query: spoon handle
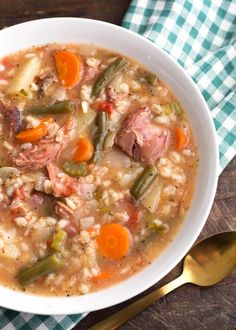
{"x":120,"y":317}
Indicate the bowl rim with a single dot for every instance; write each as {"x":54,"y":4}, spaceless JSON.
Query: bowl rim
{"x":45,"y":305}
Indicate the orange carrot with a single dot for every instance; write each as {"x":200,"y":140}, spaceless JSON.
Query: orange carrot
{"x":181,"y":138}
{"x":114,"y":241}
{"x":34,"y":134}
{"x":84,"y":150}
{"x":68,"y":67}
{"x":102,"y":276}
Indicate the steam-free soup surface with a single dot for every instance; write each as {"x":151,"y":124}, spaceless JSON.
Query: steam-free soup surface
{"x":98,"y":164}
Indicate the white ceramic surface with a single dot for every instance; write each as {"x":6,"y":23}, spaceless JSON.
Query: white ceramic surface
{"x":66,"y":30}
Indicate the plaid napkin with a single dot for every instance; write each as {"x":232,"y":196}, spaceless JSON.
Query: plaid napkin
{"x":12,"y":320}
{"x":201,"y":35}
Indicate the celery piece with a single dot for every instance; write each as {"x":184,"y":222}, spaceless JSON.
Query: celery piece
{"x":58,"y":240}
{"x":40,"y":268}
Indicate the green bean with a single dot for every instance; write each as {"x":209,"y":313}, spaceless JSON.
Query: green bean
{"x":40,"y":268}
{"x":143,"y":182}
{"x":58,"y":240}
{"x":56,"y":108}
{"x":75,"y":169}
{"x":150,"y":78}
{"x":102,"y":122}
{"x":108,"y":74}
{"x":99,"y":136}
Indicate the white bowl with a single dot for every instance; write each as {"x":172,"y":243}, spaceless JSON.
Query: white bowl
{"x":77,"y":30}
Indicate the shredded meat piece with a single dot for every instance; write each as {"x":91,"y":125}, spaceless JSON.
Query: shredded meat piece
{"x":65,"y":185}
{"x":44,"y":151}
{"x":71,"y":230}
{"x":2,"y":106}
{"x":89,"y":73}
{"x":110,"y":94}
{"x":62,"y":210}
{"x":43,"y":83}
{"x":141,"y":139}
{"x":38,"y":156}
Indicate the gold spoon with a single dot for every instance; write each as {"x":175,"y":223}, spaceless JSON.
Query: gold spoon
{"x":207,"y":263}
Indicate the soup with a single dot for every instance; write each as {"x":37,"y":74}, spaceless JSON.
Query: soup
{"x":98,"y":165}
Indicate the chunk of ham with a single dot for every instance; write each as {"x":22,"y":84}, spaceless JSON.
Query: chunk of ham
{"x":141,"y":139}
{"x":12,"y":118}
{"x":63,"y":185}
{"x":45,"y":150}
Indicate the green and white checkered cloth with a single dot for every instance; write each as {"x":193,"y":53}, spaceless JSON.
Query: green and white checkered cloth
{"x":201,"y":35}
{"x":12,"y":320}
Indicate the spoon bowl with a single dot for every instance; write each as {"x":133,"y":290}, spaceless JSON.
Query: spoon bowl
{"x":211,"y":260}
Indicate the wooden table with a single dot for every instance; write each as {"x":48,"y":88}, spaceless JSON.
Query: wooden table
{"x":188,"y":307}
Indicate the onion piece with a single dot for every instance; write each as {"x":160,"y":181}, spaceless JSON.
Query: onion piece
{"x":24,"y":76}
{"x":116,"y":158}
{"x":109,"y":140}
{"x":130,"y":177}
{"x":85,"y":119}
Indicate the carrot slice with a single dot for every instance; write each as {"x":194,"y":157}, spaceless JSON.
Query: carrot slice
{"x":68,"y":67}
{"x":34,"y":134}
{"x":19,"y":193}
{"x":181,"y":138}
{"x":84,"y":150}
{"x":114,"y":241}
{"x":102,"y":276}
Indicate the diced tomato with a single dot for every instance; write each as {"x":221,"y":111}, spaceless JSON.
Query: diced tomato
{"x":17,"y":208}
{"x":7,"y":63}
{"x":19,"y":193}
{"x":49,"y":242}
{"x":103,"y":106}
{"x":134,"y":216}
{"x":133,"y":212}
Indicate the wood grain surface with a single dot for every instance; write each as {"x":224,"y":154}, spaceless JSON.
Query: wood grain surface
{"x":189,"y":307}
